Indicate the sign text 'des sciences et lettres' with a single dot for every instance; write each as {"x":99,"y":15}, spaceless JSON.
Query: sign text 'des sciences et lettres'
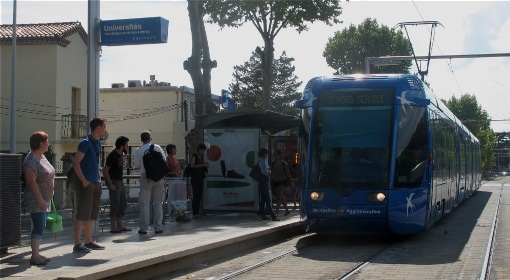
{"x":135,"y":31}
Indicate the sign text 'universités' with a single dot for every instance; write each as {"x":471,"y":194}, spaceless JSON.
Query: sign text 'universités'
{"x":135,"y":31}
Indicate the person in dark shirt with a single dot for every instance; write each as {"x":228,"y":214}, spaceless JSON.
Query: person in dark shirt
{"x":113,"y":171}
{"x":200,"y":168}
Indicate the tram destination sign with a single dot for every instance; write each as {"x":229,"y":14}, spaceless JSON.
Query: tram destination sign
{"x":135,"y":31}
{"x":356,"y":98}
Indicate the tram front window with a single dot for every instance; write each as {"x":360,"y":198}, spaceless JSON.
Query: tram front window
{"x":351,"y":143}
{"x":411,"y":147}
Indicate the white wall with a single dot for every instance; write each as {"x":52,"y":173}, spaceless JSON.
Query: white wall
{"x":71,"y":69}
{"x":130,"y":111}
{"x":35,"y":92}
{"x":45,"y":77}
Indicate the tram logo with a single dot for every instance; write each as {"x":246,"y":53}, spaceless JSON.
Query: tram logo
{"x":404,"y":100}
{"x":410,"y":204}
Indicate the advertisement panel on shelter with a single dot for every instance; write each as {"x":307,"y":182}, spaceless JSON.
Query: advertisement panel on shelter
{"x":231,"y":154}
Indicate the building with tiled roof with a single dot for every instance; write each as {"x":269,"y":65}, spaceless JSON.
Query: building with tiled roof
{"x":51,"y":84}
{"x":42,"y":34}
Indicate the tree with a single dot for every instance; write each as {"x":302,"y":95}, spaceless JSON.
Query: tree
{"x":346,"y":50}
{"x":269,"y":17}
{"x":199,"y":66}
{"x":478,"y":122}
{"x":247,"y":86}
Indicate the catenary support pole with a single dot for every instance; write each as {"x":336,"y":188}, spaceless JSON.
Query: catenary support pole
{"x":13,"y":82}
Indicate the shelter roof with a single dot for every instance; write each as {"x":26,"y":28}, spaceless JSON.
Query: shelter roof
{"x":268,"y":121}
{"x":42,"y":33}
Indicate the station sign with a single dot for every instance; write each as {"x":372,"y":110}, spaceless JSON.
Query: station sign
{"x":224,"y":98}
{"x":134,"y":31}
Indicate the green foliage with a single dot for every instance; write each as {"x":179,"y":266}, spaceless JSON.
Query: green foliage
{"x":478,"y":122}
{"x":488,"y":143}
{"x":246,"y":88}
{"x":470,"y":113}
{"x":269,"y":17}
{"x":347,"y":49}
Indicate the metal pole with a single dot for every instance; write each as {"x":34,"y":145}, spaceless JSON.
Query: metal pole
{"x":93,"y":69}
{"x":13,"y":81}
{"x":93,"y":60}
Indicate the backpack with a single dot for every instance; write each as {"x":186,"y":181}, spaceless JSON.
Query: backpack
{"x":188,"y":171}
{"x":154,"y":164}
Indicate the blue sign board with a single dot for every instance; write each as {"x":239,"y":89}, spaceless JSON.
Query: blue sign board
{"x":224,"y":98}
{"x":134,"y":31}
{"x":231,"y":105}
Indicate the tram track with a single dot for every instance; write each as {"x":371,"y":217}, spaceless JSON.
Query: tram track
{"x":356,"y":269}
{"x":448,"y":250}
{"x":306,"y":250}
{"x":295,"y":258}
{"x":486,"y":269}
{"x":255,"y":266}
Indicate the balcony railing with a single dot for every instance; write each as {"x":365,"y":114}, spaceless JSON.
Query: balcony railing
{"x":74,"y":126}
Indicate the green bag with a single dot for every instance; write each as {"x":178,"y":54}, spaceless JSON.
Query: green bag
{"x":54,"y":221}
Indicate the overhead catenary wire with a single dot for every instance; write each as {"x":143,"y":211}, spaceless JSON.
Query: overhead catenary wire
{"x":147,"y":112}
{"x":66,"y":108}
{"x":439,"y":48}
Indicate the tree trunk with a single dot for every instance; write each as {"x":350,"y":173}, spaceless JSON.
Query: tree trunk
{"x":193,"y":66}
{"x":267,"y":73}
{"x":199,"y":66}
{"x":207,"y":66}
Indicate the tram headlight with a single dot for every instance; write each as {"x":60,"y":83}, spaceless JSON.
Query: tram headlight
{"x":381,"y":197}
{"x":376,"y":197}
{"x":317,"y":196}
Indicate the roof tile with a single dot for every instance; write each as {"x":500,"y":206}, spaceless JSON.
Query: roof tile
{"x":42,"y":33}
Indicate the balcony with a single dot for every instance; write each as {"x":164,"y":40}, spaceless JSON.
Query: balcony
{"x":74,"y":126}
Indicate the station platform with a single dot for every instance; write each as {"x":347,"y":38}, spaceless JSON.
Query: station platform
{"x":129,"y":255}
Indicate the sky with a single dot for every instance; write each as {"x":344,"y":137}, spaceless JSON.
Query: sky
{"x":468,"y":27}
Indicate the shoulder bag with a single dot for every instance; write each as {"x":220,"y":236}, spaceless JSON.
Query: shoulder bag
{"x":54,"y":221}
{"x":257,"y":175}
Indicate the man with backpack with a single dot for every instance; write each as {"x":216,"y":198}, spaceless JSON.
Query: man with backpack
{"x":148,"y":158}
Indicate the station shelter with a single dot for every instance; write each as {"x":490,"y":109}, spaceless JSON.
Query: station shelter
{"x":233,"y":141}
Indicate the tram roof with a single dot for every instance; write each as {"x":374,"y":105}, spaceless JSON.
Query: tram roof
{"x":268,"y":121}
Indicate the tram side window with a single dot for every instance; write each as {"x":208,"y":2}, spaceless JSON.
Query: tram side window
{"x":411,"y":147}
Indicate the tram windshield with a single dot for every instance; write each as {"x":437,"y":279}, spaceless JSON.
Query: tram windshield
{"x":351,"y":138}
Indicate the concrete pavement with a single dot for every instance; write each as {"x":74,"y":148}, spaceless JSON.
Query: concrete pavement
{"x":129,"y":255}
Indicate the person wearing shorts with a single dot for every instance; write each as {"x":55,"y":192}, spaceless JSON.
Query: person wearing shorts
{"x":88,"y":193}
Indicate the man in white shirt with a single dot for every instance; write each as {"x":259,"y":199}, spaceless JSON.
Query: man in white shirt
{"x":149,"y":189}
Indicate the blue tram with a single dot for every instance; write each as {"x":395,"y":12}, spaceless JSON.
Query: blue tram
{"x":381,"y":154}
